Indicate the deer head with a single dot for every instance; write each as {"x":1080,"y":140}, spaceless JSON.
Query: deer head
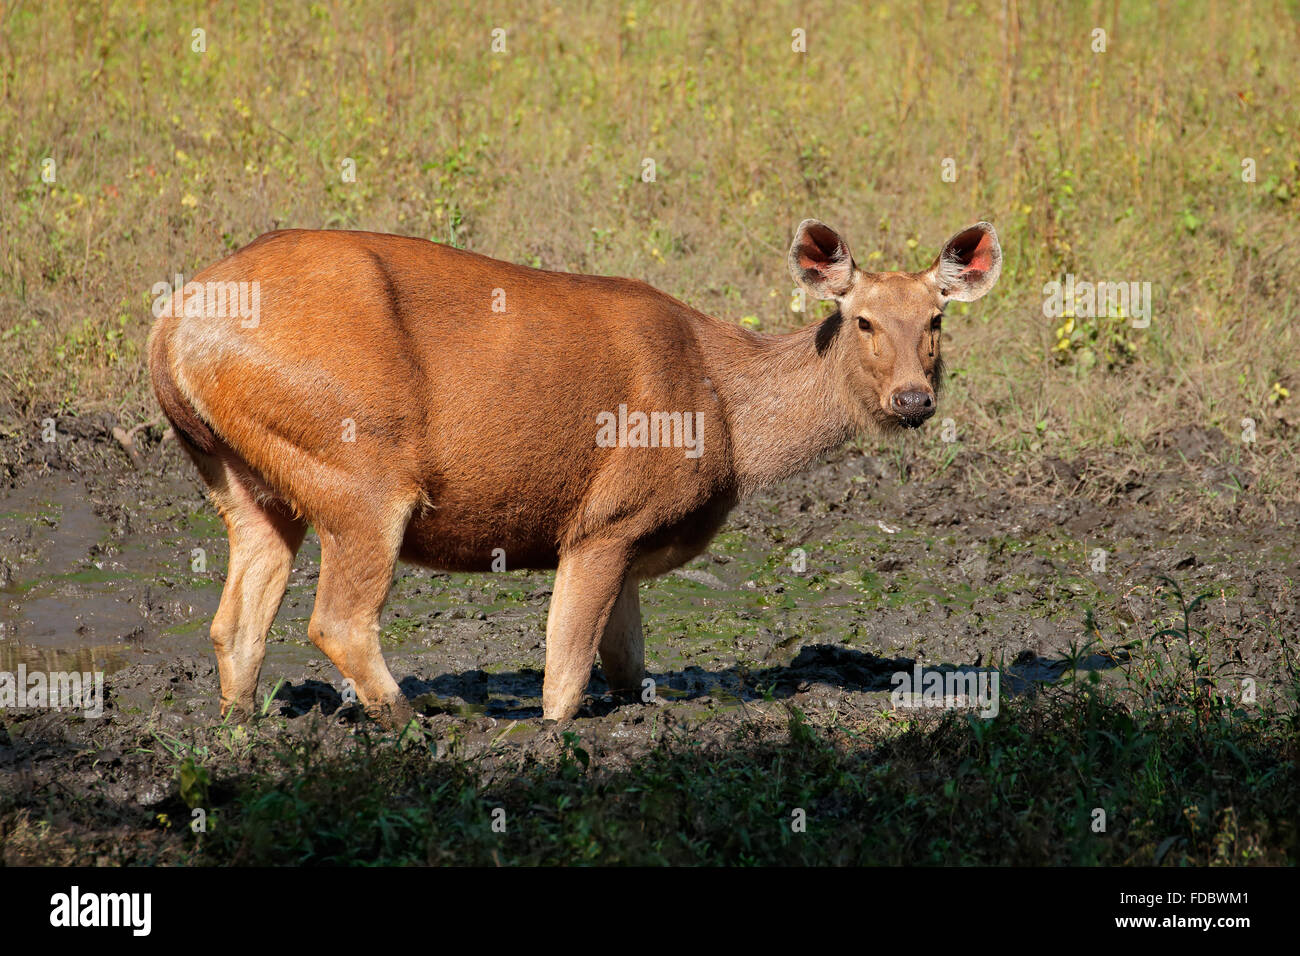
{"x":888,"y":327}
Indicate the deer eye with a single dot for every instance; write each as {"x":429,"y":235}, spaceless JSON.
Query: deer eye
{"x":864,"y":324}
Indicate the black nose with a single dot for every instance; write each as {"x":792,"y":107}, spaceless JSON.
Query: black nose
{"x":913,"y":405}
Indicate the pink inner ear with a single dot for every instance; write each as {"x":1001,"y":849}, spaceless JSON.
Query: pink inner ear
{"x":981,"y":257}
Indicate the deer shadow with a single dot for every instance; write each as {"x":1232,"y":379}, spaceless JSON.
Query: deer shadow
{"x":516,"y":695}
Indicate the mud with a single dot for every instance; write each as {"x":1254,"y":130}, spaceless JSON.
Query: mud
{"x":815,"y":593}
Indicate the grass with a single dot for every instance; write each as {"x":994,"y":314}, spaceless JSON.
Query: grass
{"x":1123,"y":165}
{"x":1024,"y":788}
{"x":1161,"y":770}
{"x":1168,"y":767}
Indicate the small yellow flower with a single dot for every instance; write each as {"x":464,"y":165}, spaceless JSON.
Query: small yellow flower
{"x":189,"y":199}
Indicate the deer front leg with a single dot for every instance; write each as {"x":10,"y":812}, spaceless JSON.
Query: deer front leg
{"x":587,"y":586}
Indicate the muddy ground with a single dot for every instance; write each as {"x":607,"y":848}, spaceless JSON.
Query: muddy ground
{"x":975,"y":565}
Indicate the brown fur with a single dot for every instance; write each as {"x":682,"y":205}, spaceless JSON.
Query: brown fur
{"x":476,"y":430}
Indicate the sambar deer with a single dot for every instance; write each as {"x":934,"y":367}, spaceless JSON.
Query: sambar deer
{"x":416,"y":401}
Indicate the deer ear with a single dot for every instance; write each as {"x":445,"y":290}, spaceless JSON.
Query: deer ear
{"x":969,"y":264}
{"x":820,"y":261}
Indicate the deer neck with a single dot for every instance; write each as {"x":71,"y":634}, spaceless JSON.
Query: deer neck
{"x":783,"y":397}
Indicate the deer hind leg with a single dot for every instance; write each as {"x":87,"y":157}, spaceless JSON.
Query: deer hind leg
{"x":622,"y":645}
{"x":264,"y":537}
{"x":588,"y":583}
{"x":356,"y":572}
